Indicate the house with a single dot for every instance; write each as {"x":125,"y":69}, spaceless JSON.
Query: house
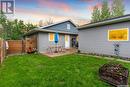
{"x":44,"y":36}
{"x":108,"y":37}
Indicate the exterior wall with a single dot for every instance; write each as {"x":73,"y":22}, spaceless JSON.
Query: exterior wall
{"x":63,"y":27}
{"x":95,"y":40}
{"x":44,"y":43}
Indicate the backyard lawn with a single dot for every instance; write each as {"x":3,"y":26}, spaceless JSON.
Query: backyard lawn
{"x":36,"y":70}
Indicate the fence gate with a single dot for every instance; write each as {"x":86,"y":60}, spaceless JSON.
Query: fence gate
{"x":31,"y":44}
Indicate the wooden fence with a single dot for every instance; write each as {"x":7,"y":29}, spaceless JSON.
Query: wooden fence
{"x":31,"y":44}
{"x":16,"y":46}
{"x":21,"y":46}
{"x":2,"y":50}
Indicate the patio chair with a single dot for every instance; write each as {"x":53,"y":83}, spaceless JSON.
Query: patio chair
{"x":58,"y":48}
{"x":63,"y":49}
{"x":50,"y":50}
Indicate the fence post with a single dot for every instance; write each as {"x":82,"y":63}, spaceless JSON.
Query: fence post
{"x":2,"y":49}
{"x":23,"y":46}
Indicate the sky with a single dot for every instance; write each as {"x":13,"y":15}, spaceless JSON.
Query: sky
{"x":79,"y":11}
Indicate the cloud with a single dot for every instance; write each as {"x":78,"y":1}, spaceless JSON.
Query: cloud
{"x":29,"y":15}
{"x":28,"y":12}
{"x":55,"y":5}
{"x":87,"y":0}
{"x":98,"y":5}
{"x":35,"y":14}
{"x":25,"y":1}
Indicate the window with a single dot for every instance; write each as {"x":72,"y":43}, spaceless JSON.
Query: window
{"x":118,"y":35}
{"x":68,"y":26}
{"x":51,"y":36}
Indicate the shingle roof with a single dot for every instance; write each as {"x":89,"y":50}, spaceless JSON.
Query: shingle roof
{"x":57,"y":24}
{"x":106,"y":22}
{"x":48,"y":29}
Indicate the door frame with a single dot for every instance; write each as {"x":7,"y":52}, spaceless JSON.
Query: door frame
{"x":67,"y":41}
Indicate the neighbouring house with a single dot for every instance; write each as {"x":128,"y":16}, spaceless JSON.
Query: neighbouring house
{"x":108,"y":37}
{"x":44,"y":36}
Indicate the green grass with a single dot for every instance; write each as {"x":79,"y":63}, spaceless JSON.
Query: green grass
{"x":40,"y":71}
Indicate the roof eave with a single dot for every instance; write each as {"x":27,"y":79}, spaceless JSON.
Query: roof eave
{"x":51,"y":31}
{"x":58,"y":23}
{"x":105,"y":22}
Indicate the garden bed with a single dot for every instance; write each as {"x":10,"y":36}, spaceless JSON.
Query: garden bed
{"x":114,"y":73}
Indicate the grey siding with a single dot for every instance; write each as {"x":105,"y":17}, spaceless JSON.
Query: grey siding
{"x":95,"y":40}
{"x":63,"y":27}
{"x":44,"y":43}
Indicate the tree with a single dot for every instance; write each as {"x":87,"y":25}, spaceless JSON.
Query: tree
{"x":101,"y":14}
{"x":3,"y":21}
{"x":18,"y":27}
{"x":29,"y":27}
{"x":13,"y":29}
{"x":2,"y":18}
{"x":48,"y":21}
{"x":96,"y":14}
{"x":40,"y":23}
{"x":105,"y":11}
{"x":117,"y":8}
{"x":1,"y":31}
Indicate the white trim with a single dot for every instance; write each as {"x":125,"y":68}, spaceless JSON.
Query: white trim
{"x":67,"y":43}
{"x":117,"y":29}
